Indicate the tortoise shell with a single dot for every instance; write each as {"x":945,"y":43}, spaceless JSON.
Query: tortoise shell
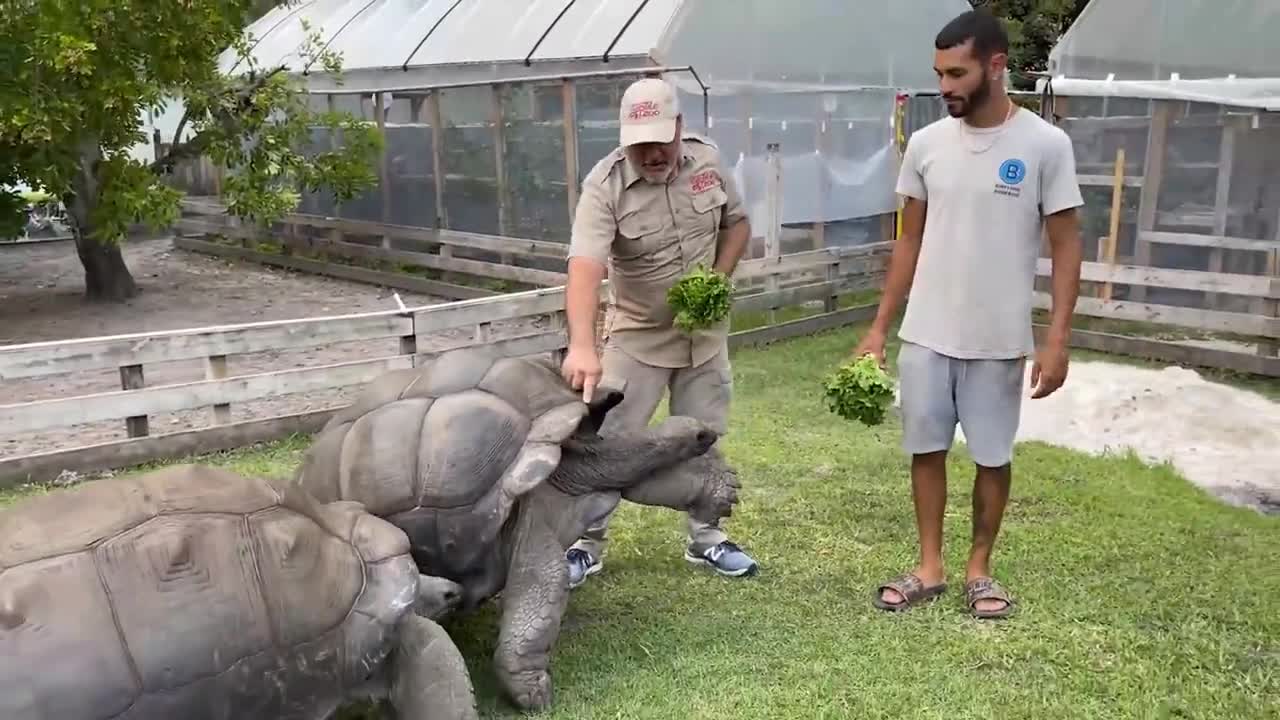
{"x":192,"y":592}
{"x":444,"y":450}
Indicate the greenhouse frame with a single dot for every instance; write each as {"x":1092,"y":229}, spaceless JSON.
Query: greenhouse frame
{"x":1176,"y":131}
{"x":494,"y":110}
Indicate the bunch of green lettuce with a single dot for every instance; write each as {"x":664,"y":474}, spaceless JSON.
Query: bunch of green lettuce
{"x":700,"y":299}
{"x":860,"y":390}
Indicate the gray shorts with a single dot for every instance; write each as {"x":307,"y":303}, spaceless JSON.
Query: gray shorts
{"x":984,"y":396}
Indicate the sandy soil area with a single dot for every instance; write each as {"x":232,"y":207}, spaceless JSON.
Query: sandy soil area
{"x":1220,"y":437}
{"x":41,"y":298}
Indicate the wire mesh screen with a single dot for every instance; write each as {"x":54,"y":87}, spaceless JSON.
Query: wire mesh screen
{"x":320,"y":202}
{"x":411,"y":177}
{"x":534,"y":160}
{"x":366,"y":205}
{"x":503,"y":156}
{"x":597,"y":103}
{"x":1208,"y":198}
{"x":468,"y":159}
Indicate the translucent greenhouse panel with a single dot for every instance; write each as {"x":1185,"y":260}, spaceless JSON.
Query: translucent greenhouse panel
{"x":398,"y":26}
{"x":1150,"y":39}
{"x":837,"y":158}
{"x":478,"y":31}
{"x":838,"y":161}
{"x":821,"y":42}
{"x":277,"y":42}
{"x":588,"y":27}
{"x":534,"y":158}
{"x":469,"y":164}
{"x":645,"y":29}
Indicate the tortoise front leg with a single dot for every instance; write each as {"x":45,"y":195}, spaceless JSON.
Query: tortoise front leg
{"x":429,"y":679}
{"x":533,"y":604}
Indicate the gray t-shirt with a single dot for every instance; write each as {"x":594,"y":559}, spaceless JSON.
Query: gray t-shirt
{"x":987,"y":192}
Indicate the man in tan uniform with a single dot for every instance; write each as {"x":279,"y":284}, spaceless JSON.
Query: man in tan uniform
{"x":649,"y":212}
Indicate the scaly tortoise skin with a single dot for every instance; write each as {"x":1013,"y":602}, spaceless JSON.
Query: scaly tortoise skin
{"x":193,"y":592}
{"x":493,"y":466}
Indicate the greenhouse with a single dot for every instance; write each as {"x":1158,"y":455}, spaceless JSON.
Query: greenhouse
{"x":1174,"y":110}
{"x":494,"y":110}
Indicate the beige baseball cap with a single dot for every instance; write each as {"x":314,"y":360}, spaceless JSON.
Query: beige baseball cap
{"x":649,"y":111}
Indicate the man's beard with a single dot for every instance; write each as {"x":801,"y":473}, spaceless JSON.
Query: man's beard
{"x":975,"y":100}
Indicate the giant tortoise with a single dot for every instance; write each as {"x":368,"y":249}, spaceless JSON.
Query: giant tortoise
{"x":193,"y":592}
{"x":493,"y":466}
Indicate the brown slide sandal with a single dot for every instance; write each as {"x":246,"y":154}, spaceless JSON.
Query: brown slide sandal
{"x":911,"y":588}
{"x":987,"y":589}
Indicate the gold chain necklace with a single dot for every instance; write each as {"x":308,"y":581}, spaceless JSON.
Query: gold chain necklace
{"x":995,"y":134}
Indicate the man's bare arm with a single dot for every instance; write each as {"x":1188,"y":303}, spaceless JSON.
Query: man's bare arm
{"x":1067,"y":252}
{"x":731,"y":245}
{"x":902,"y":264}
{"x":581,"y":300}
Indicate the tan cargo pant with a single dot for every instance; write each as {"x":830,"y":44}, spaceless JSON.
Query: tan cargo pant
{"x":702,"y":392}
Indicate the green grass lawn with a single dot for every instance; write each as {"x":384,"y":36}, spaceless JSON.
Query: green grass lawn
{"x":1141,"y":597}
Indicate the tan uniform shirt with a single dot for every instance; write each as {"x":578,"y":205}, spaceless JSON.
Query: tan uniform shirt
{"x":650,"y":236}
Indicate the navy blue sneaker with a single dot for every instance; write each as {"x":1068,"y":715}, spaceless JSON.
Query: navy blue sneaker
{"x":581,"y":564}
{"x":726,"y":558}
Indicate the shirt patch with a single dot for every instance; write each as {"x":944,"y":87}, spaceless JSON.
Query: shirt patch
{"x":1012,"y":172}
{"x":644,"y":110}
{"x":704,"y":181}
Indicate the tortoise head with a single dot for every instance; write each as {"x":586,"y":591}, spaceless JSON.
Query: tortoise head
{"x":608,"y":457}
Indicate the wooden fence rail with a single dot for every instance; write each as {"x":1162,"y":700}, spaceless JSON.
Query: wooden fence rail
{"x":438,"y":250}
{"x":819,"y":275}
{"x":540,"y":329}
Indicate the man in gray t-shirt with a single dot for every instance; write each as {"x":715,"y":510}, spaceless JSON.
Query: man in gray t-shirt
{"x":981,"y":188}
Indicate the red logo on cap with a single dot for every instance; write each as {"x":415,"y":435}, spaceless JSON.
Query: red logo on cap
{"x":644,"y":110}
{"x":704,"y":181}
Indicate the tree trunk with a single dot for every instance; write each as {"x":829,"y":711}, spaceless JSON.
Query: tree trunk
{"x":106,"y":277}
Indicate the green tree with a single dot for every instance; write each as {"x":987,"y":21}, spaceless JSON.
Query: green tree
{"x":78,"y":76}
{"x":1034,"y":26}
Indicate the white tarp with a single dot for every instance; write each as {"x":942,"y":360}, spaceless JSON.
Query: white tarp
{"x":1211,"y":51}
{"x":1259,"y":93}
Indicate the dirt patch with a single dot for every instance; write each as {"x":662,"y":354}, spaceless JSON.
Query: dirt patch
{"x":41,"y":299}
{"x":1222,"y":438}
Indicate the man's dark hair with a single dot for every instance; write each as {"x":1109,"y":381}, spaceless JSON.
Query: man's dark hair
{"x":984,"y":28}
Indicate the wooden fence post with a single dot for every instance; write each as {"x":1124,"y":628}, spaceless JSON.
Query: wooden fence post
{"x":500,"y":161}
{"x":1108,"y":254}
{"x":131,"y":378}
{"x":773,"y":230}
{"x":557,"y":321}
{"x":824,"y":184}
{"x":384,"y":166}
{"x":832,"y":301}
{"x":215,"y":368}
{"x":335,"y":144}
{"x":435,"y":117}
{"x":569,"y":103}
{"x":1271,"y":306}
{"x":1152,"y":179}
{"x":409,"y":343}
{"x":1222,"y":201}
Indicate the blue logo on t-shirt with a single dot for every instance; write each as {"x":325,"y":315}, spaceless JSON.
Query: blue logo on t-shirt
{"x":1012,"y":171}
